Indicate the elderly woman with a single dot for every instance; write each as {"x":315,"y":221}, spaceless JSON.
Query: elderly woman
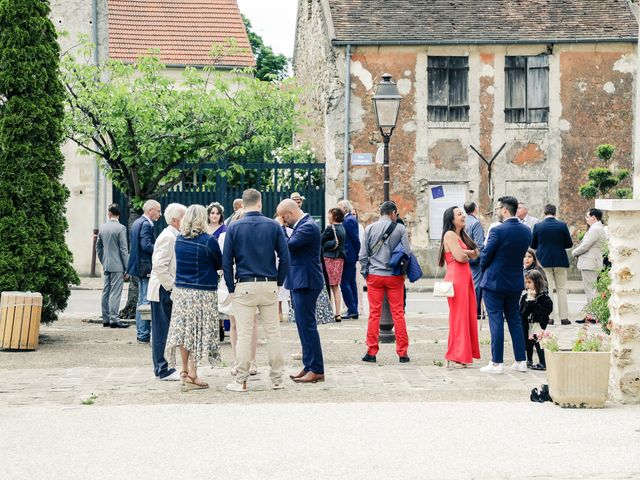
{"x":215,"y":220}
{"x":194,"y":320}
{"x":161,"y":283}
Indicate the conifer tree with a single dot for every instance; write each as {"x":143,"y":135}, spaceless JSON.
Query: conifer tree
{"x":33,"y":253}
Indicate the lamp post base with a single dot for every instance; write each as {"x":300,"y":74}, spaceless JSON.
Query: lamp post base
{"x":386,"y":323}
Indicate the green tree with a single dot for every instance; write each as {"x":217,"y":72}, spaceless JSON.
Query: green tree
{"x":269,"y":65}
{"x":603,"y":179}
{"x":151,"y":133}
{"x":33,"y":253}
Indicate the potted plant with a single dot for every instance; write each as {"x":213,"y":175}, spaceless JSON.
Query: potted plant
{"x":578,"y":378}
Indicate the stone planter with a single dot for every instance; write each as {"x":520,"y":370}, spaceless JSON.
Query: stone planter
{"x":578,"y":379}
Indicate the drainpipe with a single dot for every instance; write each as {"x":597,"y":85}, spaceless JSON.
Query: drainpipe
{"x":96,"y":202}
{"x":347,"y":121}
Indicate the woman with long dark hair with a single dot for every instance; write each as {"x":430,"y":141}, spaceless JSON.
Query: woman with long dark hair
{"x":456,"y":249}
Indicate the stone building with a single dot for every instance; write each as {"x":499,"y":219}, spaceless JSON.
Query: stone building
{"x":183,"y":30}
{"x":543,"y":82}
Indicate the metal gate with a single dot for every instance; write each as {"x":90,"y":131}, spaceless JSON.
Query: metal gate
{"x":276,"y":181}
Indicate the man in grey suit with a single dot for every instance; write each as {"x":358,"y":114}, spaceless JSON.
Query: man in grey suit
{"x":589,"y":256}
{"x":113,"y":254}
{"x":473,"y":227}
{"x":523,"y":215}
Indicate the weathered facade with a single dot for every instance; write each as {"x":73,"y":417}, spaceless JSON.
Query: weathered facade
{"x":473,"y":74}
{"x":184,"y":31}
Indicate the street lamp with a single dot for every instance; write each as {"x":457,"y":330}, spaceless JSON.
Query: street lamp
{"x":386,"y":104}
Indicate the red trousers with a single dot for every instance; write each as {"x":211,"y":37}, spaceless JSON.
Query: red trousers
{"x":377,"y":285}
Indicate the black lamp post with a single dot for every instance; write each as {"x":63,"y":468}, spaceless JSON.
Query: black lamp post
{"x":386,"y":104}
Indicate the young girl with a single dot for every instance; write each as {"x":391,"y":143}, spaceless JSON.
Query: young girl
{"x":535,"y":308}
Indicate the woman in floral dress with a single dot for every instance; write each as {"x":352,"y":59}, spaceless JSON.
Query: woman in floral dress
{"x":194,"y":319}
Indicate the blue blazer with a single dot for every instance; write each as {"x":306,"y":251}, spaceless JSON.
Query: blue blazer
{"x":143,"y":238}
{"x":305,"y":270}
{"x":502,"y":255}
{"x":352,"y":243}
{"x":550,"y":240}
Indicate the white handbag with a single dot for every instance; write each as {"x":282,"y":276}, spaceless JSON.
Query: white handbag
{"x":443,"y":289}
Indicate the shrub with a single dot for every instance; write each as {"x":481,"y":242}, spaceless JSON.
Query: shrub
{"x":603,"y":179}
{"x":33,"y":253}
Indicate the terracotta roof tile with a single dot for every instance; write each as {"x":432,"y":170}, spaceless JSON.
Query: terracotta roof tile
{"x":370,"y":21}
{"x":183,"y":30}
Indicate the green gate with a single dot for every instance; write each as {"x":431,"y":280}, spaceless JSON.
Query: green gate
{"x":276,"y":181}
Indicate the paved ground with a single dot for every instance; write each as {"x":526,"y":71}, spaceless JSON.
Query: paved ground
{"x":417,"y":420}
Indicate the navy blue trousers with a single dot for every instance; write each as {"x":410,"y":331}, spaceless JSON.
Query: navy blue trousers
{"x":161,"y":315}
{"x":501,"y":306}
{"x":349,"y":288}
{"x":304,"y":305}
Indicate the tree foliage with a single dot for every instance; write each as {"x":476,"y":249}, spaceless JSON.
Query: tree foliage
{"x":603,"y":179}
{"x":269,"y":65}
{"x":151,"y":132}
{"x":33,"y":253}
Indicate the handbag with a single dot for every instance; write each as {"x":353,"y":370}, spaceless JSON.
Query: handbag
{"x":444,"y":288}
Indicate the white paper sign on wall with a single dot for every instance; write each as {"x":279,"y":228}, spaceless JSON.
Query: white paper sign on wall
{"x":440,"y":198}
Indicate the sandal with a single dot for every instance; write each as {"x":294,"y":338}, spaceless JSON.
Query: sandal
{"x":337,"y":318}
{"x":183,"y":376}
{"x":538,"y":366}
{"x":453,"y":364}
{"x":195,"y":383}
{"x":253,"y":369}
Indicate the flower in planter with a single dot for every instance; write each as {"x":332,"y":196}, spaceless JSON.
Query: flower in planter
{"x":586,"y":341}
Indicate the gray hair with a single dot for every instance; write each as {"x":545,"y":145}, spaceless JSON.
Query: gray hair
{"x":345,"y":205}
{"x":150,"y":204}
{"x":174,"y":211}
{"x":194,"y":221}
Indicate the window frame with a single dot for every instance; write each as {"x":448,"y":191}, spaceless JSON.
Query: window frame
{"x":448,"y":112}
{"x":529,"y":113}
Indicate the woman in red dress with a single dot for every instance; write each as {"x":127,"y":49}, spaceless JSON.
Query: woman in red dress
{"x":456,"y":248}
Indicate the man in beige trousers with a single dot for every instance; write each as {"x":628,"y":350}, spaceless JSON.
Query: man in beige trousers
{"x":589,"y":256}
{"x":251,"y":244}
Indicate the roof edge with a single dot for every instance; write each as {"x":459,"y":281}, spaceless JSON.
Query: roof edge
{"x":342,"y":43}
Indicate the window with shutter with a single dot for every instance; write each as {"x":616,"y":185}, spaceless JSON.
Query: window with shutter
{"x":448,"y":89}
{"x":527,"y":89}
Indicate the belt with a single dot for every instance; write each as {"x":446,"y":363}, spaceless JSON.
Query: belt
{"x":257,"y":279}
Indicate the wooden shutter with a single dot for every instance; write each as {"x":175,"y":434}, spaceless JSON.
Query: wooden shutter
{"x":515,"y":89}
{"x":438,"y":88}
{"x":538,"y":89}
{"x":458,"y":89}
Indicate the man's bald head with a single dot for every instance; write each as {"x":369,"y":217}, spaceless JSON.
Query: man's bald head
{"x":289,"y":211}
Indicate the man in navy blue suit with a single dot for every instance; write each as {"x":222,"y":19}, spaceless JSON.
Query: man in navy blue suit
{"x":142,"y":241}
{"x":550,"y":239}
{"x":348,"y":284}
{"x":503,"y":282}
{"x":304,"y":280}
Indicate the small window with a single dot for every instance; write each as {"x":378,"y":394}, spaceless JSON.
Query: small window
{"x":527,"y":89}
{"x":448,"y":89}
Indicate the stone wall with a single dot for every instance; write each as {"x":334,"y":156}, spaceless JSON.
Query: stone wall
{"x":590,"y":102}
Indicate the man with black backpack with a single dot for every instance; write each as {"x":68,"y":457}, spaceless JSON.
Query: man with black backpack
{"x":380,"y":239}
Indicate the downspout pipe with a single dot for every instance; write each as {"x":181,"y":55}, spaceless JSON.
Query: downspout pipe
{"x":347,"y":121}
{"x":96,"y":171}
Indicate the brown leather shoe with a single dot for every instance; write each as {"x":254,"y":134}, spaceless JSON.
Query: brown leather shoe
{"x":310,"y":377}
{"x":302,"y":373}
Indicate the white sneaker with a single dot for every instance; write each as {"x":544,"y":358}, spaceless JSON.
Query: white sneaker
{"x":519,"y":366}
{"x":494,"y":368}
{"x":174,"y":377}
{"x":237,"y":387}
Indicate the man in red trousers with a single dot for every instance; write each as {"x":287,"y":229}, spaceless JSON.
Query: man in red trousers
{"x":381,"y":238}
